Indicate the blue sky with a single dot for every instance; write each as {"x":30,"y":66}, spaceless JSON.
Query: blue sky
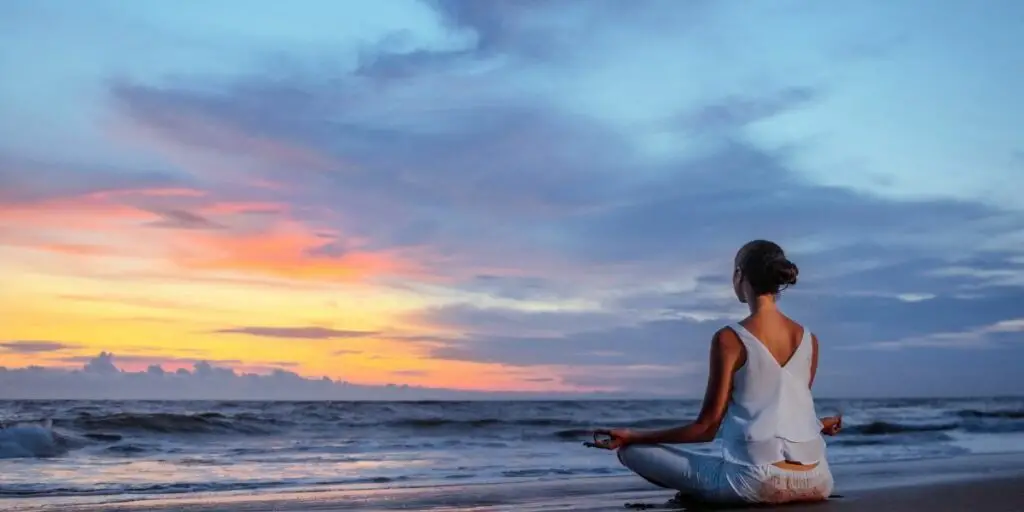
{"x":533,"y":196}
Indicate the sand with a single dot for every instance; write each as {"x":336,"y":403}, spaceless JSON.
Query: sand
{"x":992,"y":483}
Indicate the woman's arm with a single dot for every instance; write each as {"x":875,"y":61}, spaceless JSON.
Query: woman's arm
{"x":726,"y":355}
{"x":830,"y":425}
{"x":814,"y":360}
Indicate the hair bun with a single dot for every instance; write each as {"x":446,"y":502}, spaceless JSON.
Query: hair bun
{"x":785,"y":272}
{"x":765,"y":268}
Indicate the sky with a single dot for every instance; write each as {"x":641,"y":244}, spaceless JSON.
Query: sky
{"x":506,"y":196}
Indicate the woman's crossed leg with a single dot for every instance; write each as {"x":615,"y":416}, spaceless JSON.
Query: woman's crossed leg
{"x":694,"y":475}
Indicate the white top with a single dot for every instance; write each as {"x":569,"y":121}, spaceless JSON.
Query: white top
{"x":771,"y":416}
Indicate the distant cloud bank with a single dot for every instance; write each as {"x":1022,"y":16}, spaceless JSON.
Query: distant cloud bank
{"x":100,"y":378}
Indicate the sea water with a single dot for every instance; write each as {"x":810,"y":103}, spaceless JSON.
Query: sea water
{"x":143,"y":447}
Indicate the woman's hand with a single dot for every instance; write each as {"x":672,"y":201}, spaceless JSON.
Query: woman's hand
{"x":832,"y":425}
{"x":615,"y":438}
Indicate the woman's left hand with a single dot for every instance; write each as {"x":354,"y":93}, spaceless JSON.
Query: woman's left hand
{"x":832,"y":425}
{"x":616,"y":438}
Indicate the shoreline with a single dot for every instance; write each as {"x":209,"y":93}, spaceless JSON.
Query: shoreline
{"x":856,"y":483}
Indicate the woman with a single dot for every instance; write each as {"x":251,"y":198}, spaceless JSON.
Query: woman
{"x":758,"y":397}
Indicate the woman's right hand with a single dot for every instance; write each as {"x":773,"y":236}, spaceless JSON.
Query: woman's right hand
{"x":614,"y":439}
{"x":832,"y":425}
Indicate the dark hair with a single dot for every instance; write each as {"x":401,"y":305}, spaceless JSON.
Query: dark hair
{"x":766,"y":267}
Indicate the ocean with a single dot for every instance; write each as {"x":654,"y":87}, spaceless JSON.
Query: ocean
{"x":89,"y":448}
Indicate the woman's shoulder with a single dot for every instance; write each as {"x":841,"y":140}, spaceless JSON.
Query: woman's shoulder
{"x":727,"y":331}
{"x":728,"y":338}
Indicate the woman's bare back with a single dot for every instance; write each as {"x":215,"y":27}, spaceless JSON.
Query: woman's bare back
{"x":778,"y":333}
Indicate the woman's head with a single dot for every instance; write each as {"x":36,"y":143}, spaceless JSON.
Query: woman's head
{"x":761,"y":268}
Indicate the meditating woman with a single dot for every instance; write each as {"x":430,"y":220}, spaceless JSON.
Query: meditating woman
{"x":758,"y":399}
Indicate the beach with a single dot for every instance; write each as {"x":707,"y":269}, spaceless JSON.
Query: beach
{"x":989,"y":483}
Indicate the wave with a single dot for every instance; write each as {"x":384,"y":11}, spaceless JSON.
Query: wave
{"x":876,"y":428}
{"x":128,"y":449}
{"x":471,"y":423}
{"x":249,"y":423}
{"x":31,"y":441}
{"x":27,"y":491}
{"x":208,"y":422}
{"x":1007,"y":414}
{"x":100,"y":427}
{"x":573,"y":434}
{"x":572,"y":429}
{"x":535,"y":473}
{"x":170,"y":423}
{"x":274,"y":419}
{"x":526,"y":422}
{"x":42,"y":441}
{"x":850,"y":441}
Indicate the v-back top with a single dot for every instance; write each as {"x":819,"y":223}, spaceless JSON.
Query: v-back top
{"x":771,"y":416}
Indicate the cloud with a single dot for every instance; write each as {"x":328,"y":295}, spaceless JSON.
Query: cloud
{"x":31,"y":180}
{"x":656,"y":342}
{"x":504,"y":28}
{"x":287,"y":250}
{"x":478,"y":320}
{"x":478,"y":32}
{"x":191,"y":125}
{"x":101,"y":378}
{"x":653,"y":379}
{"x":346,"y":352}
{"x":182,"y":219}
{"x":735,"y":112}
{"x":764,"y":196}
{"x":309,"y":333}
{"x":410,"y":373}
{"x":987,"y":336}
{"x":856,"y":331}
{"x":35,"y":346}
{"x":486,"y":199}
{"x":104,"y":362}
{"x":1015,"y":325}
{"x":864,"y":320}
{"x":204,"y":231}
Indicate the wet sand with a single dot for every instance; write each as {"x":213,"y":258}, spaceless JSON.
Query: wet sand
{"x":991,"y":483}
{"x":995,"y":495}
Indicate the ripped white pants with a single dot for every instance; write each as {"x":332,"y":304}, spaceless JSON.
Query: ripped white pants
{"x":712,"y":479}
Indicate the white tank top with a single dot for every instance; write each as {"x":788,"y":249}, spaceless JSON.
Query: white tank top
{"x":771,"y":416}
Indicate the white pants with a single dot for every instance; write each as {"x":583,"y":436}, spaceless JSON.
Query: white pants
{"x":711,"y":478}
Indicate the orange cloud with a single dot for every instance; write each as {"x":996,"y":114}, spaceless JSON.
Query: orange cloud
{"x":287,"y":250}
{"x":114,"y":221}
{"x":123,"y":208}
{"x":199,"y":234}
{"x":104,"y":211}
{"x":81,"y":212}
